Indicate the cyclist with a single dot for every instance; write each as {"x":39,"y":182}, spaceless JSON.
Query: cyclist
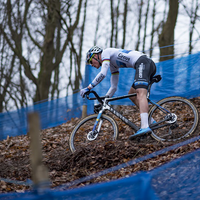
{"x":114,"y":59}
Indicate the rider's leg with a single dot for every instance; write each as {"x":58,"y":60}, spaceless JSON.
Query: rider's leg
{"x":145,"y":69}
{"x":141,"y":102}
{"x":133,"y":99}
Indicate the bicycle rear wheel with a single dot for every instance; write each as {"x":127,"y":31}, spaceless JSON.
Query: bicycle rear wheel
{"x":79,"y":136}
{"x":183,"y":123}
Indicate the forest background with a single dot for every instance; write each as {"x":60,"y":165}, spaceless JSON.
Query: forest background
{"x":43,"y":43}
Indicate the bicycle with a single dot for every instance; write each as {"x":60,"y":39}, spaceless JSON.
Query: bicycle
{"x":176,"y":118}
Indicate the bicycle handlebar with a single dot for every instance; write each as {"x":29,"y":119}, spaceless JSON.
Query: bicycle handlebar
{"x":96,"y":95}
{"x":108,"y":99}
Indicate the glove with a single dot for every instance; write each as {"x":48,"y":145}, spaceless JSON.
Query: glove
{"x":83,"y":91}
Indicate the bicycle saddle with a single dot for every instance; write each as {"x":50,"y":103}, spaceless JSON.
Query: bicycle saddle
{"x":156,"y":78}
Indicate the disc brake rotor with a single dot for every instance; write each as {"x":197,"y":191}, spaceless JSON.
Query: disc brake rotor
{"x":172,"y":118}
{"x":92,"y":135}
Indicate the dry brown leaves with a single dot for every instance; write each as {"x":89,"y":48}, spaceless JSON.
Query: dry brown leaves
{"x":65,"y":167}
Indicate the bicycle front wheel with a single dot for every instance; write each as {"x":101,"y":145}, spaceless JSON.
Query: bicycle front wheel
{"x":107,"y":131}
{"x":184,"y":119}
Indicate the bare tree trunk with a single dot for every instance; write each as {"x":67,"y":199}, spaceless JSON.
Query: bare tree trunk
{"x":124,"y":23}
{"x":145,"y":26}
{"x":48,"y":50}
{"x":167,"y":35}
{"x":22,"y":87}
{"x":51,"y":52}
{"x":153,"y":28}
{"x":55,"y":90}
{"x":112,"y":22}
{"x":193,"y":18}
{"x":116,"y":25}
{"x":78,"y":77}
{"x":97,"y":26}
{"x":78,"y":56}
{"x":6,"y":85}
{"x":139,"y":23}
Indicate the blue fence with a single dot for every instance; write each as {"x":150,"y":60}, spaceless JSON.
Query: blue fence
{"x":179,"y":77}
{"x":178,"y":179}
{"x":52,"y":113}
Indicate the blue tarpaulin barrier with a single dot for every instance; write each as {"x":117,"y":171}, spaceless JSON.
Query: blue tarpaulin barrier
{"x":51,"y":113}
{"x":178,"y":179}
{"x":180,"y":77}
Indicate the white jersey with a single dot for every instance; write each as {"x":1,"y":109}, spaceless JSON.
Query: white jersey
{"x":114,"y":59}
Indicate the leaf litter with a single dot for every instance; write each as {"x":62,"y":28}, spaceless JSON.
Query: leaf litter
{"x":65,"y":167}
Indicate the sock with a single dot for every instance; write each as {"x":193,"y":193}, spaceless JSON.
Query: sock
{"x":144,"y":120}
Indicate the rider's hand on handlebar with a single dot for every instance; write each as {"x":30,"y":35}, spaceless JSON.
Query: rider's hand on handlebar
{"x":83,"y":91}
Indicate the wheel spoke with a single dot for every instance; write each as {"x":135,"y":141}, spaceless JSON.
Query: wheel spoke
{"x":107,"y":131}
{"x":183,"y":122}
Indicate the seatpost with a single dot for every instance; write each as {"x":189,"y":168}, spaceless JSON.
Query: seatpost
{"x":148,"y":90}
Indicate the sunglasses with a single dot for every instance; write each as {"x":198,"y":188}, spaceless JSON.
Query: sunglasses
{"x":90,"y":60}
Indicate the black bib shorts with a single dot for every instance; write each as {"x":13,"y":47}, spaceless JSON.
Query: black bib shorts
{"x":145,"y":70}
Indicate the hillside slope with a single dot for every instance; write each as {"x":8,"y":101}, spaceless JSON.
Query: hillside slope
{"x":65,"y":167}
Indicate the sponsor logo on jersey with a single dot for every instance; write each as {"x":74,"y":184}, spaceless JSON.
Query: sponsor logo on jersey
{"x":123,"y":57}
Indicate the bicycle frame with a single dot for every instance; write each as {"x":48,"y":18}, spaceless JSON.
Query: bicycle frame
{"x":106,"y":106}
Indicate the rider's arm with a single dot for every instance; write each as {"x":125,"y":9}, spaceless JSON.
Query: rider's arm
{"x":114,"y":82}
{"x":101,"y":75}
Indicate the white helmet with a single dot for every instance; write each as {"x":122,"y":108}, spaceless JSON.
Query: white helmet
{"x":91,"y":52}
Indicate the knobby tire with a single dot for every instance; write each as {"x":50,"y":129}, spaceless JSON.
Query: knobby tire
{"x":187,"y":119}
{"x":108,"y":133}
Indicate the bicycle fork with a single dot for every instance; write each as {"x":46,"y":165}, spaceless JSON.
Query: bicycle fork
{"x":92,"y":135}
